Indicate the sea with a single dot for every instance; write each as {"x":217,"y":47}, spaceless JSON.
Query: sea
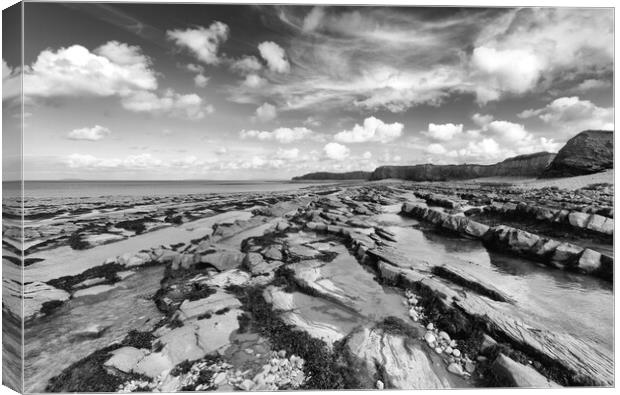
{"x":74,"y":189}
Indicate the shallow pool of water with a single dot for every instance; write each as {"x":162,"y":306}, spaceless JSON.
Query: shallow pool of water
{"x":553,"y":299}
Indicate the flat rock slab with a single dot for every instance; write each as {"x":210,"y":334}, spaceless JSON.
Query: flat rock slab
{"x":209,"y":305}
{"x":125,"y":359}
{"x":37,"y":293}
{"x":576,"y":356}
{"x":93,"y":291}
{"x":303,"y":252}
{"x":192,"y":341}
{"x":319,"y":318}
{"x":405,"y":365}
{"x":517,"y":375}
{"x":344,"y":281}
{"x":223,"y":260}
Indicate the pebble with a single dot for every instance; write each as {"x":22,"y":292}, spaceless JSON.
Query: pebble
{"x":219,"y":378}
{"x":413,"y":314}
{"x":453,"y":343}
{"x":481,"y":358}
{"x":430,"y":326}
{"x":448,"y":350}
{"x":282,"y":353}
{"x":380,"y":385}
{"x":443,"y":335}
{"x":456,"y":353}
{"x":246,"y":385}
{"x":430,"y":338}
{"x":455,"y":368}
{"x":470,"y":367}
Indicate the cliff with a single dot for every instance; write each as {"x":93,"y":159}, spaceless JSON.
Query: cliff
{"x":353,"y":175}
{"x":590,"y":151}
{"x":531,"y":165}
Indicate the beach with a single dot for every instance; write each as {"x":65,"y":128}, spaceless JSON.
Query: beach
{"x":417,"y":285}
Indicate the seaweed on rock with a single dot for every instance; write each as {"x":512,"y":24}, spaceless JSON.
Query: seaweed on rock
{"x":325,"y":368}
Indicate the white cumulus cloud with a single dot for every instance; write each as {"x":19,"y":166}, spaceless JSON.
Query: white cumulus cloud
{"x":246,"y":65}
{"x":572,"y":115}
{"x":436,"y":149}
{"x":510,"y":70}
{"x":189,"y":106}
{"x":266,"y":112}
{"x":275,"y":57}
{"x":287,"y":154}
{"x":202,"y":42}
{"x":201,"y":81}
{"x":75,"y":71}
{"x":282,"y":135}
{"x":253,"y":81}
{"x":373,"y":129}
{"x":336,"y":151}
{"x":444,"y":132}
{"x":95,"y":133}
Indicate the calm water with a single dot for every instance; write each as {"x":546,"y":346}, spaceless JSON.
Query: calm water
{"x":46,"y":189}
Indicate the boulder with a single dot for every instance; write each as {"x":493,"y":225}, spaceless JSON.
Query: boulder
{"x":566,"y":254}
{"x":514,"y":374}
{"x":545,"y":248}
{"x":475,"y":229}
{"x":590,"y":261}
{"x":578,"y":219}
{"x":601,"y":224}
{"x":455,"y":223}
{"x":521,"y":241}
{"x":545,"y":214}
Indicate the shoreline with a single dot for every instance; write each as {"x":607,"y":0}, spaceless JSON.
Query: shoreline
{"x":283,"y":245}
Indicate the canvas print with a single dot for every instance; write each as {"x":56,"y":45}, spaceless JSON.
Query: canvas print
{"x":218,"y":197}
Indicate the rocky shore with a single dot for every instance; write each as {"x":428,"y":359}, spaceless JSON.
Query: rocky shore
{"x":392,"y":285}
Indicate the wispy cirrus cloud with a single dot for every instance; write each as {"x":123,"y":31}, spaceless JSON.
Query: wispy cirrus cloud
{"x":382,"y":58}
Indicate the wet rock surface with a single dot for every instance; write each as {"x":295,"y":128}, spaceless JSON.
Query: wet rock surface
{"x":377,"y":286}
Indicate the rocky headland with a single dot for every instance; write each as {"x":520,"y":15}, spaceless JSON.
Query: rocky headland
{"x":323,"y":175}
{"x":590,"y":151}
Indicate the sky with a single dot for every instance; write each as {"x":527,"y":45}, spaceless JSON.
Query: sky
{"x":191,"y":91}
